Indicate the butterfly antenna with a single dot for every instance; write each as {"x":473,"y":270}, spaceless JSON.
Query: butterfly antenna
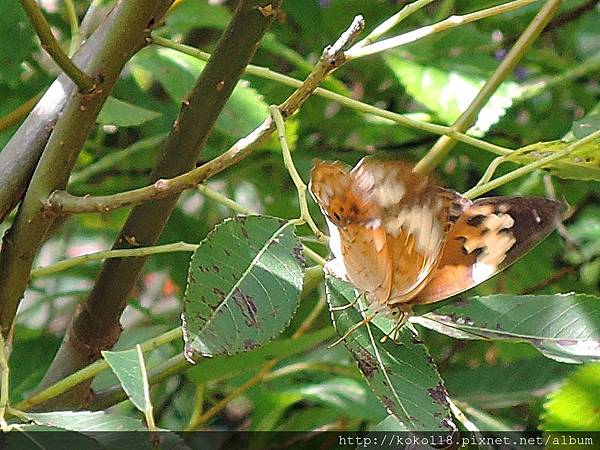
{"x":365,"y":321}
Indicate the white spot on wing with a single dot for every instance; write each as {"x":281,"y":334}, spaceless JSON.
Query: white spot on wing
{"x":481,"y":272}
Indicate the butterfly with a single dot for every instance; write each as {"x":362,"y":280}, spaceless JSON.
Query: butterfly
{"x":402,"y":240}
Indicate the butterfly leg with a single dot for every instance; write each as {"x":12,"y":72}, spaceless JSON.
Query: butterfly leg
{"x":346,"y":306}
{"x":404,"y":312}
{"x":355,"y":327}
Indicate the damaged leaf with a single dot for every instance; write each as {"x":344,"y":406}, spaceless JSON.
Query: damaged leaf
{"x":402,"y":374}
{"x":564,"y":327}
{"x":244,"y":284}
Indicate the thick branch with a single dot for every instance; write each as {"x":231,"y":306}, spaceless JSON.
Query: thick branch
{"x":95,"y":326}
{"x":123,"y":32}
{"x":20,"y":155}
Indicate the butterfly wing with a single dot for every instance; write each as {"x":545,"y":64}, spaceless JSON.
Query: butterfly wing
{"x":357,"y":237}
{"x":491,"y":235}
{"x":416,"y":216}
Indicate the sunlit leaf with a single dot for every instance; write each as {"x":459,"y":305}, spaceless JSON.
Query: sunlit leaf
{"x":449,"y":93}
{"x":564,"y":327}
{"x":244,"y":284}
{"x":401,"y":374}
{"x":576,"y":404}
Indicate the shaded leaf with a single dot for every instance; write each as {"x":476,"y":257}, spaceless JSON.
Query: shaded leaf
{"x":564,"y":327}
{"x":16,"y":42}
{"x":503,"y":386}
{"x":87,"y":421}
{"x":244,"y":284}
{"x":188,"y":14}
{"x":390,"y":423}
{"x":576,"y":405}
{"x":123,"y":114}
{"x":228,"y":366}
{"x":128,"y":366}
{"x":401,"y":374}
{"x":177,"y":73}
{"x":449,"y":93}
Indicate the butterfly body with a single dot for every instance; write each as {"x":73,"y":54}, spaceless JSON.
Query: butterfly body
{"x":403,"y":240}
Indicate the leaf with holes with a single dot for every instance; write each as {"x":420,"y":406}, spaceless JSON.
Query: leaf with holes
{"x":401,"y":374}
{"x":244,"y":284}
{"x":564,"y":327}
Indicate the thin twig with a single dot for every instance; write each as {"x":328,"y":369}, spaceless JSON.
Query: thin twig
{"x":51,"y":45}
{"x":63,"y":265}
{"x":390,"y":23}
{"x":446,"y":24}
{"x":506,"y":67}
{"x":20,"y":112}
{"x":289,"y":165}
{"x":331,"y":59}
{"x":404,"y":120}
{"x":74,"y":24}
{"x":528,"y":168}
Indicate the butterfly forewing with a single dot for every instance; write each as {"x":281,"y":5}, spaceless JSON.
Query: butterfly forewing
{"x":491,"y":235}
{"x":357,"y":237}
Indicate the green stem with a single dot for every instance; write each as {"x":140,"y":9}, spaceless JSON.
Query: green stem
{"x":4,"y":383}
{"x":445,"y":144}
{"x":51,"y":45}
{"x":390,"y":23}
{"x":405,"y":120}
{"x":61,"y":266}
{"x":540,"y":163}
{"x":223,"y":200}
{"x":16,"y":115}
{"x":289,"y":165}
{"x":91,"y":371}
{"x":446,"y":24}
{"x":74,"y":24}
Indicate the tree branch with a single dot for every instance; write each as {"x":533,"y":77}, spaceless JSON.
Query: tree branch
{"x":50,"y":44}
{"x":506,"y":67}
{"x":95,"y":326}
{"x":20,"y":155}
{"x":123,"y":32}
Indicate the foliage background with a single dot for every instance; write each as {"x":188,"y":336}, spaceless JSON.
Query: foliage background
{"x":499,"y":385}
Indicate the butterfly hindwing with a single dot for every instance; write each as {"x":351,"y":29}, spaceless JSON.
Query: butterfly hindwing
{"x":488,"y":237}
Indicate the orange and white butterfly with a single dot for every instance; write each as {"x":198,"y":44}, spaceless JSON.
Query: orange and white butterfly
{"x":402,"y":240}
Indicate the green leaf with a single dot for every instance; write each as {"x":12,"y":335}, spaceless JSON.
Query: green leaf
{"x":564,"y":327}
{"x":575,"y":406}
{"x":16,"y":42}
{"x":219,"y":367}
{"x":503,"y":386}
{"x":390,"y":423}
{"x":581,"y":164}
{"x":122,"y":114}
{"x":244,"y":284}
{"x":350,"y":397}
{"x":401,"y":374}
{"x":188,"y":14}
{"x":101,"y":427}
{"x":177,"y":73}
{"x":87,"y":421}
{"x":449,"y":93}
{"x":128,"y":366}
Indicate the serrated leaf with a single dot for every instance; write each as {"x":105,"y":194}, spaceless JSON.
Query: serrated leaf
{"x":575,"y":406}
{"x":123,"y":114}
{"x":244,"y":284}
{"x":564,"y":327}
{"x":449,"y":93}
{"x":402,"y":374}
{"x":130,"y":370}
{"x":503,"y":386}
{"x":581,"y":164}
